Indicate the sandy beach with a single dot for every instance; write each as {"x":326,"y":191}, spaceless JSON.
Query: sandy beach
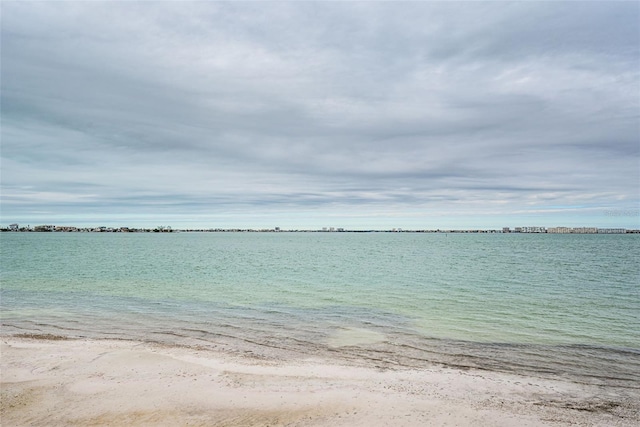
{"x":84,"y":382}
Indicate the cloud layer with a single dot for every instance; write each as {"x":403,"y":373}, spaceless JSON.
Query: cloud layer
{"x":300,"y":114}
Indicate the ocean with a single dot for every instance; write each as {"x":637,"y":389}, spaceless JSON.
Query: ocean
{"x":557,"y":306}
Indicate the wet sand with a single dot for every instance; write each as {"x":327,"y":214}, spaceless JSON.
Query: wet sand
{"x":47,"y":382}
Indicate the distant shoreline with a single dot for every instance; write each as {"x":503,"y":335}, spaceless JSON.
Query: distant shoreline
{"x":14,"y":228}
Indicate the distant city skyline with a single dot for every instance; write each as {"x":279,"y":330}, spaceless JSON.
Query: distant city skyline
{"x":303,"y":115}
{"x":169,"y":228}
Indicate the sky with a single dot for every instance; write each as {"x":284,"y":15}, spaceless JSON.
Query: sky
{"x":302,"y":115}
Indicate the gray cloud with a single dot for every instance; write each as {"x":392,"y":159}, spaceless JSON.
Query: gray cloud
{"x":318,"y":110}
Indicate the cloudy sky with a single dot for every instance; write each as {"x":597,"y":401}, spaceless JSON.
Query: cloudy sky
{"x":304,"y":115}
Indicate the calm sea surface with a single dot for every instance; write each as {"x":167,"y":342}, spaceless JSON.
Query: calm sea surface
{"x":547,"y":305}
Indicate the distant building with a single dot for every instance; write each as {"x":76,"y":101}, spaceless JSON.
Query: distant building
{"x":14,"y":227}
{"x":533,"y":230}
{"x":65,"y":228}
{"x":611,"y":231}
{"x":585,"y":230}
{"x":506,"y":230}
{"x":575,"y":230}
{"x":558,"y":230}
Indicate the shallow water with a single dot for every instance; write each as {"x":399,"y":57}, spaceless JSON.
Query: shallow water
{"x":549,"y":305}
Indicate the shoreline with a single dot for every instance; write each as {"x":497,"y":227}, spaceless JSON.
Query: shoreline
{"x":14,"y":228}
{"x":48,"y":381}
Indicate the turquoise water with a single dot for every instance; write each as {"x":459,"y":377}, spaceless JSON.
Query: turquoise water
{"x":556,"y":304}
